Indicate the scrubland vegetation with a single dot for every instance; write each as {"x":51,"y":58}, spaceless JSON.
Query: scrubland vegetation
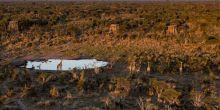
{"x":161,"y":55}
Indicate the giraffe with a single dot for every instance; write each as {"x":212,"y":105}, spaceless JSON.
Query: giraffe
{"x":39,"y":66}
{"x":59,"y":66}
{"x":110,"y":65}
{"x":131,"y":67}
{"x":137,"y":67}
{"x":181,"y":67}
{"x":74,"y":74}
{"x":32,"y":67}
{"x":134,"y":67}
{"x":148,"y":67}
{"x":97,"y":70}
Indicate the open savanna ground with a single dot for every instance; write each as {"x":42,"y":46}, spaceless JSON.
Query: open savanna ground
{"x":161,"y":55}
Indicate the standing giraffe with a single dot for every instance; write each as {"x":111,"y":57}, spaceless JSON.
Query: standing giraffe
{"x":110,"y":65}
{"x":131,"y":67}
{"x":59,"y":66}
{"x":181,"y":67}
{"x":134,"y":67}
{"x":39,"y":66}
{"x":32,"y":67}
{"x":148,"y":67}
{"x":97,"y":70}
{"x":138,"y":67}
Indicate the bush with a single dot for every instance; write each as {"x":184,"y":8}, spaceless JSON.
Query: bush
{"x":73,"y":30}
{"x":27,"y":23}
{"x":171,"y":96}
